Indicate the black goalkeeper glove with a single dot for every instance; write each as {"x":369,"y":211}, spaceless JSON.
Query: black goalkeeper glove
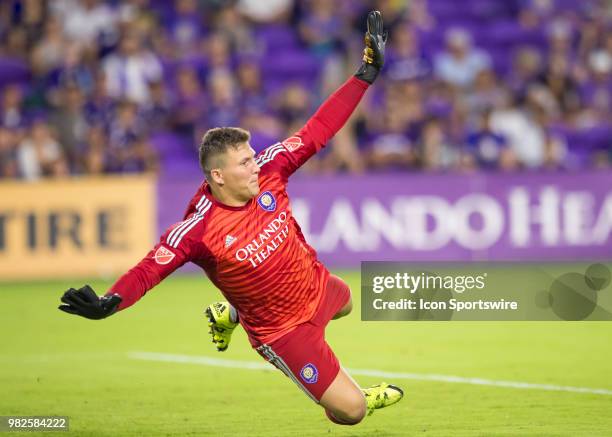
{"x":374,"y":52}
{"x":86,"y":303}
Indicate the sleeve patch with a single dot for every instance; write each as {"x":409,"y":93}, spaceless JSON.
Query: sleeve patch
{"x":163,"y":256}
{"x":293,"y":143}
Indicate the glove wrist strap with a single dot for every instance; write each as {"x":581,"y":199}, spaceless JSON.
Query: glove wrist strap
{"x":367,"y":72}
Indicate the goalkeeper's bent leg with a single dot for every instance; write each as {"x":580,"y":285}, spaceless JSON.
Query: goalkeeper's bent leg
{"x":344,"y":402}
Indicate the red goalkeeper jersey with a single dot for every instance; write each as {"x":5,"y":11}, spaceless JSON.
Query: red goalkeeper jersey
{"x":255,"y":254}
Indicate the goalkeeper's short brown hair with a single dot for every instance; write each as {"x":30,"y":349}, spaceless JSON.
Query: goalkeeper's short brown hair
{"x":214,"y":144}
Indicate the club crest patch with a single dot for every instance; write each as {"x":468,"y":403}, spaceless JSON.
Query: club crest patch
{"x":293,"y":143}
{"x":163,"y":256}
{"x":267,"y":201}
{"x":309,"y":373}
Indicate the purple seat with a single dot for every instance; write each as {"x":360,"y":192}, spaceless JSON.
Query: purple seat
{"x":277,"y":37}
{"x":594,"y":138}
{"x":486,"y":9}
{"x":442,"y":9}
{"x":572,"y":5}
{"x":13,"y":70}
{"x":170,"y":146}
{"x":509,"y":34}
{"x":261,"y":140}
{"x":290,"y":65}
{"x":579,"y":159}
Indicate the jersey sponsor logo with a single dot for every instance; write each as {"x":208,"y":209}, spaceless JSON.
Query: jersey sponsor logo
{"x":309,"y":373}
{"x":266,"y":242}
{"x":163,"y":256}
{"x":229,"y":240}
{"x":267,"y":201}
{"x":293,"y":143}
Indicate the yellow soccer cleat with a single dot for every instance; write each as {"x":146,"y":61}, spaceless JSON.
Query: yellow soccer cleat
{"x":220,"y":324}
{"x":382,"y":395}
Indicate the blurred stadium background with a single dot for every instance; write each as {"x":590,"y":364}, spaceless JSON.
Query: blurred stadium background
{"x":487,"y":138}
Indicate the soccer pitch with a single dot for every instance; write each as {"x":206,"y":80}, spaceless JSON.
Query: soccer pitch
{"x":102,"y":374}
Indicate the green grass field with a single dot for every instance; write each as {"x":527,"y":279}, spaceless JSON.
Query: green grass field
{"x":55,"y":364}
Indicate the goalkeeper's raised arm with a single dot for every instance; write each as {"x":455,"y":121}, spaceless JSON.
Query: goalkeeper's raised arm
{"x":335,"y":111}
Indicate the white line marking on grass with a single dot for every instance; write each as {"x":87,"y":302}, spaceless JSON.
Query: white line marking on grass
{"x":255,"y":365}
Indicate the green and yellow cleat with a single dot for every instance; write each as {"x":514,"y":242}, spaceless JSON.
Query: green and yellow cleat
{"x":220,"y":324}
{"x":382,"y":395}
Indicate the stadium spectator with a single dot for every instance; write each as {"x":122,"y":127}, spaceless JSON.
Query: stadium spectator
{"x":11,"y":109}
{"x":234,"y":28}
{"x":406,"y":62}
{"x":557,"y":80}
{"x":186,"y":26}
{"x":159,"y":110}
{"x":252,"y":69}
{"x":436,"y":152}
{"x":100,"y":106}
{"x":390,"y":147}
{"x":129,"y":72}
{"x":218,"y":55}
{"x":321,"y":28}
{"x":71,"y":126}
{"x":459,"y":64}
{"x":129,"y":150}
{"x":295,"y":103}
{"x":527,"y":65}
{"x":190,"y":101}
{"x":48,"y":52}
{"x":8,"y":153}
{"x":489,"y":149}
{"x":485,"y":93}
{"x":271,"y":11}
{"x":95,"y":155}
{"x":223,"y":108}
{"x":525,"y":128}
{"x":596,"y":91}
{"x":255,"y":115}
{"x":73,"y":69}
{"x":39,"y":154}
{"x":15,"y":45}
{"x":560,"y":34}
{"x":407,"y":98}
{"x":86,"y":21}
{"x":419,"y":15}
{"x":344,"y":154}
{"x":533,"y":13}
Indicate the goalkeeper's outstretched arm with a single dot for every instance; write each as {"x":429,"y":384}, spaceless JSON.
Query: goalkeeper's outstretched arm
{"x":174,"y":249}
{"x":335,"y":111}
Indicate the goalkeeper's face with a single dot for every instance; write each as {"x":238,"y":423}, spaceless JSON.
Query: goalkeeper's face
{"x":241,"y":173}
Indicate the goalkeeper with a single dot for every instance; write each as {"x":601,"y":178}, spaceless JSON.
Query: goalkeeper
{"x":239,"y":228}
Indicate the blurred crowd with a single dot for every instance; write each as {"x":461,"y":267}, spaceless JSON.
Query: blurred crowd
{"x":92,"y":86}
